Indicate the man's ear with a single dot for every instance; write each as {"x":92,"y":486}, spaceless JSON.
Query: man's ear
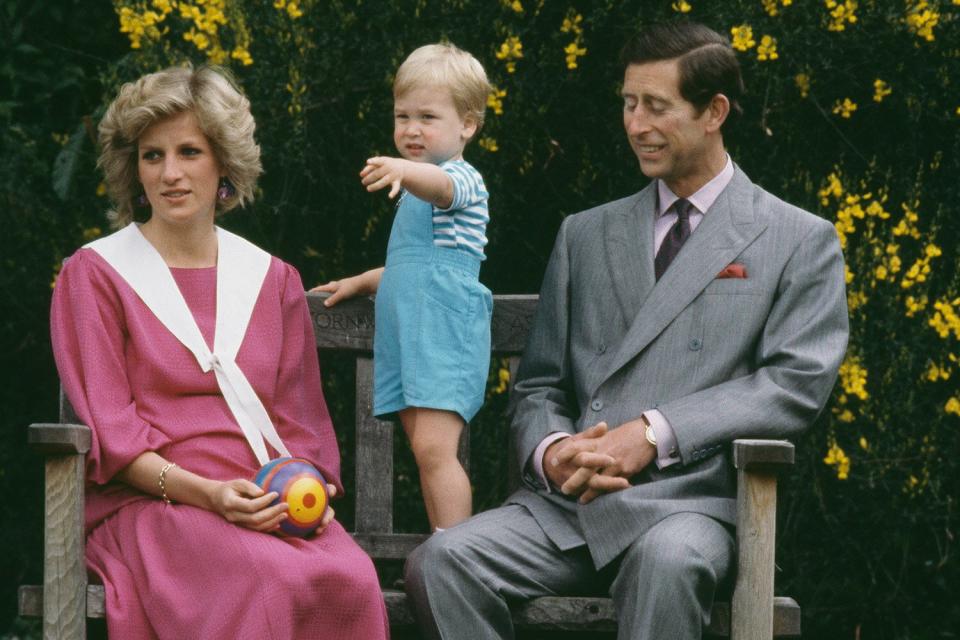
{"x":717,"y":112}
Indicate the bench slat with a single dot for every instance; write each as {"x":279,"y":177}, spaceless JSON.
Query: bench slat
{"x":374,"y":470}
{"x":573,"y":614}
{"x":389,"y":546}
{"x":596,"y":614}
{"x":349,"y":325}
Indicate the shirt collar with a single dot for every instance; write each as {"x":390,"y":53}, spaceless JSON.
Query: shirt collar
{"x":704,"y":198}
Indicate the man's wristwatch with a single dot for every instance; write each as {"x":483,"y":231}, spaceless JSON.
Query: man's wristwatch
{"x":648,"y":431}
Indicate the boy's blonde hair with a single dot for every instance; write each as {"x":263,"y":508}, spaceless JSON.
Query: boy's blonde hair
{"x":445,"y":65}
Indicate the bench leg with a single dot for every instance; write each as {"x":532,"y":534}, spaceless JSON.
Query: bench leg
{"x":752,"y":605}
{"x":64,"y":570}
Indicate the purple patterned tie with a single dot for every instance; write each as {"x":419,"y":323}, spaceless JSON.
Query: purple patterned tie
{"x":675,"y":238}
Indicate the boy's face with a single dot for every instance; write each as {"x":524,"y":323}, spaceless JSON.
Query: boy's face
{"x":427,"y":127}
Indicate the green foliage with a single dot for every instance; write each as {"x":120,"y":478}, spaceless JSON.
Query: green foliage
{"x":852,"y":112}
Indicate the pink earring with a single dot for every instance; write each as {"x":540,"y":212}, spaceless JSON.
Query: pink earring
{"x":225,"y":189}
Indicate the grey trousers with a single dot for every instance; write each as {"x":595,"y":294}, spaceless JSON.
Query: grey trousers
{"x":462,"y":581}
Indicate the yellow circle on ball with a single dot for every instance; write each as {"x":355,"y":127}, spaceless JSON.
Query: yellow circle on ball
{"x":307,"y":498}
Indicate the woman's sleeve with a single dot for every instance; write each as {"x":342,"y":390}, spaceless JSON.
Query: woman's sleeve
{"x":303,"y":420}
{"x":88,"y":333}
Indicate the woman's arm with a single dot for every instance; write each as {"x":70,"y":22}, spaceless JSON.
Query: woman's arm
{"x":238,"y":501}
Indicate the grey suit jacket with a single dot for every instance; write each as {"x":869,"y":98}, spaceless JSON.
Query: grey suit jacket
{"x":720,"y":358}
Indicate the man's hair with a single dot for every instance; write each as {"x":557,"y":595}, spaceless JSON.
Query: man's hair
{"x":223,"y":114}
{"x":706,"y":62}
{"x":444,"y":65}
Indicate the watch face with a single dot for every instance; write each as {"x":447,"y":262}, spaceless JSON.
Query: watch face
{"x":651,"y":435}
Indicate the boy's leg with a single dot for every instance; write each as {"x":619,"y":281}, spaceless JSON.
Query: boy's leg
{"x":460,"y":582}
{"x":434,"y":436}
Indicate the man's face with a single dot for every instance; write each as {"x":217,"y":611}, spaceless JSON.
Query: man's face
{"x":664,"y":130}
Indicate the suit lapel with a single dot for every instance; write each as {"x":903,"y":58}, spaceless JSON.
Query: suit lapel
{"x":628,"y":240}
{"x":729,"y":226}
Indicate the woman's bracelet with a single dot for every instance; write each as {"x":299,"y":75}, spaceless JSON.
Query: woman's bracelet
{"x":162,"y":480}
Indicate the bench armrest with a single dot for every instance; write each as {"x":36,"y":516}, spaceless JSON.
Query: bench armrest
{"x":55,"y":439}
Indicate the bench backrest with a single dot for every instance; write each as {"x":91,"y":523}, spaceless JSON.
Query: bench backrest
{"x":349,"y":326}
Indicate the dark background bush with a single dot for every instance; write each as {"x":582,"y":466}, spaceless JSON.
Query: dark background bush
{"x":868,"y":520}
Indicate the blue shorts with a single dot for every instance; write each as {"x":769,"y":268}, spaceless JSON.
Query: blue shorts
{"x":432,"y":340}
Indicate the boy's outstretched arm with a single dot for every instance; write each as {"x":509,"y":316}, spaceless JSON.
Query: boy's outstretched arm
{"x":363,"y":284}
{"x":424,"y":180}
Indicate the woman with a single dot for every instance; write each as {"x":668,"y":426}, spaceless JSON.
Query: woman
{"x":190,"y":354}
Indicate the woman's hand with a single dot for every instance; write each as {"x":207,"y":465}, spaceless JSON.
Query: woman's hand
{"x":328,"y":514}
{"x":363,"y":284}
{"x":244,"y":503}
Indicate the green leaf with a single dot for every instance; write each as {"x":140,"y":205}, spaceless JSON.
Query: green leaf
{"x":66,"y":162}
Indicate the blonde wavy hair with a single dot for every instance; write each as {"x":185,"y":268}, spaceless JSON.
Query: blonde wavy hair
{"x":445,"y":65}
{"x":223,"y":114}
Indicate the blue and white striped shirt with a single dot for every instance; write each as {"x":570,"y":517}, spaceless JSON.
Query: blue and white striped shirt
{"x":463,"y":224}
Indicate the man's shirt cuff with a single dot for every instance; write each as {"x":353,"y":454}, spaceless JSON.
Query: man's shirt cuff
{"x":667,"y":451}
{"x":537,"y":461}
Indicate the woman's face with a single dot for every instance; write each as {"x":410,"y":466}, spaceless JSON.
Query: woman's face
{"x":178,"y":170}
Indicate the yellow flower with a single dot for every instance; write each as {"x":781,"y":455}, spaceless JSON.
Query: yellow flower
{"x":846,"y":416}
{"x":833,"y":188}
{"x":844,"y":109}
{"x":921,"y":18}
{"x":573,"y":52}
{"x":920,"y":269}
{"x":841,"y":13}
{"x":495,"y":100}
{"x":770,"y":6}
{"x":510,"y":51}
{"x":864,"y":444}
{"x":914,"y":305}
{"x":936,"y":372}
{"x":92,"y":233}
{"x":838,"y":458}
{"x":802,"y":81}
{"x":681,"y":7}
{"x":241,"y":54}
{"x":853,"y":377}
{"x":880,"y":90}
{"x":488,"y":143}
{"x":767,"y":49}
{"x":945,"y":319}
{"x":952,"y":406}
{"x":571,"y":24}
{"x":742,"y":37}
{"x":293,"y":10}
{"x":514,"y":5}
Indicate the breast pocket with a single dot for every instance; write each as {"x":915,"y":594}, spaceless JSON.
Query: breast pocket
{"x":731,"y":286}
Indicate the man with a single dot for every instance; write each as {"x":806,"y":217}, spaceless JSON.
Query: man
{"x":699,"y":310}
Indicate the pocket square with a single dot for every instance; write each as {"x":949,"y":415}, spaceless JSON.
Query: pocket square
{"x":733,"y":271}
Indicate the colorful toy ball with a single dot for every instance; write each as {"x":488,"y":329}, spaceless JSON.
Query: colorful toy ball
{"x":302,"y":487}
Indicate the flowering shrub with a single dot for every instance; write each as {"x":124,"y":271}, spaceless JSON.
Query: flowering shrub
{"x":852,"y":112}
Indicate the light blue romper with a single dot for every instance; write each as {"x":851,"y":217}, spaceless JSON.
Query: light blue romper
{"x":432,"y":340}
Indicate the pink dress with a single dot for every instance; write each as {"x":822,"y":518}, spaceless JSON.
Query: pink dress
{"x":177,"y":571}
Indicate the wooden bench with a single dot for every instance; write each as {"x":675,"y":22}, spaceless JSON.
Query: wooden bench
{"x":65,"y":600}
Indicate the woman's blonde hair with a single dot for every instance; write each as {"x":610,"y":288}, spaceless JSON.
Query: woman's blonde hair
{"x":445,"y":65}
{"x":222,"y":112}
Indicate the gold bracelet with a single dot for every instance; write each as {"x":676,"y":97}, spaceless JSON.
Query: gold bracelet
{"x":162,"y":481}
